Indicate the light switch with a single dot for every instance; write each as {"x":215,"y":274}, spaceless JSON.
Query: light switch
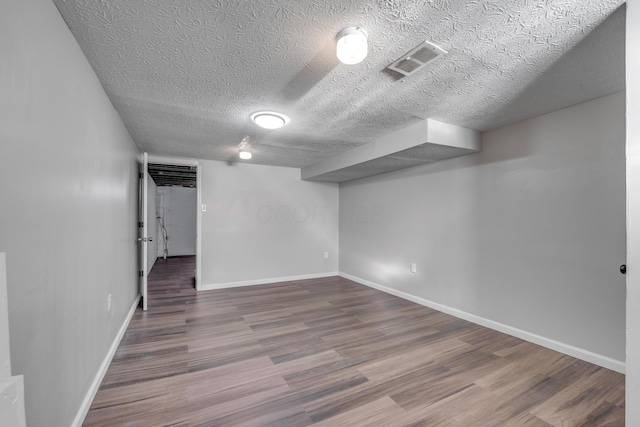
{"x":413,"y":267}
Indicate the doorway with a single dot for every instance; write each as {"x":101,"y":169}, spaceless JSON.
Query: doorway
{"x":173,"y":217}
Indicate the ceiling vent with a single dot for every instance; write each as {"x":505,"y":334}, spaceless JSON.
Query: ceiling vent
{"x":416,"y":58}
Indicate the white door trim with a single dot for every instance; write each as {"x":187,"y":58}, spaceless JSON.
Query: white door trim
{"x":143,"y":234}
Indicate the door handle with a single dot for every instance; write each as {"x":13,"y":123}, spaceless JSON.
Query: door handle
{"x":623,"y":269}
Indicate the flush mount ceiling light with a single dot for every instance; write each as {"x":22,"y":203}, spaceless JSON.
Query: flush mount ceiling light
{"x":245,"y":154}
{"x":269,"y":119}
{"x":351,"y":47}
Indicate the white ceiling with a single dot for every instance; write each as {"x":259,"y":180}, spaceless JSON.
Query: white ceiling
{"x":185,"y":75}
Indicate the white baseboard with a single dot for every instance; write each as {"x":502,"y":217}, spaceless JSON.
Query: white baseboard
{"x":265,"y":281}
{"x":578,"y":353}
{"x":95,"y":385}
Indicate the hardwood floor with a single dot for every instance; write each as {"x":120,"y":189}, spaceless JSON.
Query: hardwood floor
{"x":330,"y":352}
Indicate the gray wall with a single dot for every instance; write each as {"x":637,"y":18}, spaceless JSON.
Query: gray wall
{"x":5,"y":355}
{"x":180,"y":210}
{"x":633,"y":214}
{"x":265,"y":223}
{"x":68,"y":169}
{"x":528,"y":233}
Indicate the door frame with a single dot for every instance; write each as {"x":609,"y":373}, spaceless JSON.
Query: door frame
{"x":632,"y":93}
{"x":142,"y":229}
{"x":189,"y":162}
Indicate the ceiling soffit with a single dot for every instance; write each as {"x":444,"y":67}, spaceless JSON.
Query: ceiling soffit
{"x":423,"y":142}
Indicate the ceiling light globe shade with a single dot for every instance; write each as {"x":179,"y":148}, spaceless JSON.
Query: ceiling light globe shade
{"x":245,"y":154}
{"x":269,"y":119}
{"x":351,"y":46}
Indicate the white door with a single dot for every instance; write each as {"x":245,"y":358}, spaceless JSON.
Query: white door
{"x":143,"y":237}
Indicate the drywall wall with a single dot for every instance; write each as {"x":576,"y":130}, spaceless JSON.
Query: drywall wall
{"x":12,"y":413}
{"x":68,"y":219}
{"x":152,"y":223}
{"x":633,"y":214}
{"x":180,"y":210}
{"x":5,"y":344}
{"x":529,"y":233}
{"x":263,"y":223}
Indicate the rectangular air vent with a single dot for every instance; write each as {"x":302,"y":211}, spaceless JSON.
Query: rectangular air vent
{"x":416,"y":58}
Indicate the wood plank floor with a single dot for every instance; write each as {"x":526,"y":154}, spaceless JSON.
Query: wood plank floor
{"x":330,"y":352}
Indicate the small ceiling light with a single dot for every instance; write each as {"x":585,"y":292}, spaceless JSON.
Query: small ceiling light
{"x":351,"y":47}
{"x":269,"y":119}
{"x":245,"y":154}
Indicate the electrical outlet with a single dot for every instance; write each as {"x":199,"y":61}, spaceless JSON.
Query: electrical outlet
{"x":326,"y":255}
{"x":413,"y":267}
{"x":109,"y":303}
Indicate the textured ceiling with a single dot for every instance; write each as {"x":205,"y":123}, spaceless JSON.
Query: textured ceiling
{"x":185,"y":75}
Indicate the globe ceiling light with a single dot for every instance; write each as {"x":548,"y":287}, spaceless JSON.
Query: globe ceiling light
{"x":351,"y":46}
{"x":269,"y":119}
{"x":245,"y":154}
